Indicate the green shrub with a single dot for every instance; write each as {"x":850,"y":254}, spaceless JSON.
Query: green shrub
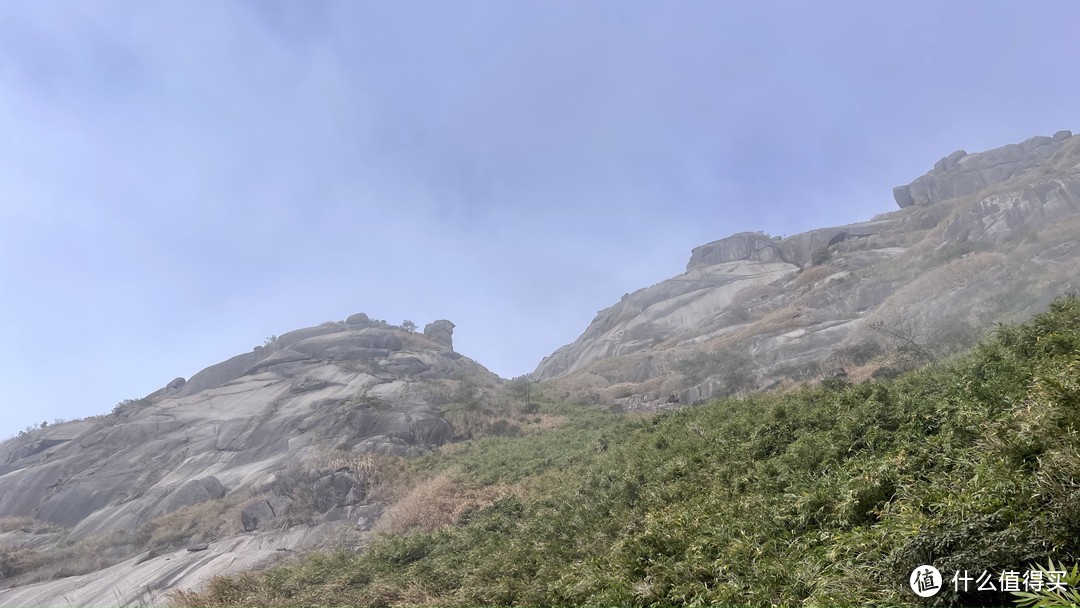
{"x":730,"y":367}
{"x":821,"y":496}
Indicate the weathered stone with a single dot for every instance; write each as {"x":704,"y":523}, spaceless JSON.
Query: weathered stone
{"x":354,"y":497}
{"x":337,"y":346}
{"x":745,"y":246}
{"x":280,"y":505}
{"x":196,"y":491}
{"x":145,"y":557}
{"x":362,"y":354}
{"x":213,"y":487}
{"x":217,"y":375}
{"x":406,"y":366}
{"x":198,"y":547}
{"x":306,"y":385}
{"x":902,"y":196}
{"x":961,"y":174}
{"x":236,"y":421}
{"x":254,"y":513}
{"x":358,"y":320}
{"x":952,"y":159}
{"x":1033,"y":143}
{"x":1000,"y":216}
{"x":287,"y":340}
{"x":285,"y":355}
{"x":334,"y":490}
{"x":649,"y":316}
{"x":366,"y":515}
{"x":1062,"y":135}
{"x":817,"y":311}
{"x":441,"y":331}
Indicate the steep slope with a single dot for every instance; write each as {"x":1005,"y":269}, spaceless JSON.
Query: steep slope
{"x":980,"y":238}
{"x":827,"y":495}
{"x":233,"y":440}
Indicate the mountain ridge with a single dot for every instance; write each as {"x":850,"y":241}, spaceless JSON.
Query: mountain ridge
{"x":272,"y":441}
{"x":745,"y":291}
{"x":233,"y":438}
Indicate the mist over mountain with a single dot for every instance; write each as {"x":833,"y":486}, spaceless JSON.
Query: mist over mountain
{"x":275,"y":451}
{"x":183,"y":179}
{"x":979,"y":239}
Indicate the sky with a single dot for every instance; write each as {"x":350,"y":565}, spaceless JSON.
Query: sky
{"x":181,"y":179}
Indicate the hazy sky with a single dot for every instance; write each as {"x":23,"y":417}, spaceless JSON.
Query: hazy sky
{"x":179,"y":180}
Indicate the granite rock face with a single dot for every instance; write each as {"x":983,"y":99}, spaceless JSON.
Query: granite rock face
{"x":441,"y":331}
{"x":704,"y":300}
{"x":983,"y":237}
{"x":961,"y":174}
{"x":234,"y":426}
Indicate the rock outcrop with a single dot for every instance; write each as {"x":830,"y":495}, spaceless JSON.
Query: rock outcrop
{"x":983,"y":237}
{"x":441,"y":331}
{"x":961,"y":174}
{"x":234,"y":427}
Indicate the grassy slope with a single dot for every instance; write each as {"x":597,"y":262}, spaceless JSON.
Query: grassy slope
{"x":828,"y":495}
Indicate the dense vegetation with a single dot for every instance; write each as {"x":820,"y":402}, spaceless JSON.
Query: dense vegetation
{"x":831,"y":494}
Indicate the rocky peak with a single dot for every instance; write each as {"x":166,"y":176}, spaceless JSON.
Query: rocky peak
{"x":359,"y":320}
{"x":962,"y":174}
{"x":357,"y":387}
{"x":1001,"y":243}
{"x":797,"y":249}
{"x":744,"y":246}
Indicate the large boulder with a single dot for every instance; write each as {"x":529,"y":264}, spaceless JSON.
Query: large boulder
{"x":748,"y":246}
{"x":902,"y":196}
{"x":338,"y":489}
{"x":358,"y":321}
{"x":255,"y":513}
{"x":221,"y":373}
{"x":441,"y":331}
{"x":261,"y":511}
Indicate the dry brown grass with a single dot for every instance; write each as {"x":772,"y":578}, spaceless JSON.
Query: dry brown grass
{"x":392,"y":482}
{"x":365,"y":467}
{"x":243,"y":589}
{"x":538,"y":423}
{"x":26,"y":524}
{"x":812,"y":275}
{"x":17,"y":560}
{"x":250,"y":589}
{"x":201,"y":523}
{"x":437,"y":502}
{"x":82,"y":557}
{"x":10,"y":524}
{"x":929,"y":286}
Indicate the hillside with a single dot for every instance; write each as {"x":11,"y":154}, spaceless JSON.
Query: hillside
{"x":246,"y":462}
{"x":981,"y":238}
{"x":829,"y":495}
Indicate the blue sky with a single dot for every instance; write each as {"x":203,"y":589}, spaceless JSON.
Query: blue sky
{"x":179,"y":180}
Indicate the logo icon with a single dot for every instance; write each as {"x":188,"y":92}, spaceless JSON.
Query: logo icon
{"x":925,"y":581}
